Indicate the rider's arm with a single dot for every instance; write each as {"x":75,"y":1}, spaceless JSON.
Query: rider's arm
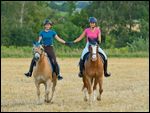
{"x":79,"y":38}
{"x":99,"y":37}
{"x":40,"y":38}
{"x":59,"y":39}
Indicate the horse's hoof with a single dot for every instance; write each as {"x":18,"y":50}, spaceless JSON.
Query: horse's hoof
{"x":98,"y":98}
{"x":47,"y":101}
{"x":51,"y":100}
{"x":85,"y":99}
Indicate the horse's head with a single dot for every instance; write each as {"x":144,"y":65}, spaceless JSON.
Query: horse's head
{"x":93,"y":49}
{"x":37,"y":50}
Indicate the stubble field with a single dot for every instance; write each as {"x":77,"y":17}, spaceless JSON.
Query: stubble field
{"x":126,"y":90}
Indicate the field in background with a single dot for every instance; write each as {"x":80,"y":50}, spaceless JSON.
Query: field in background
{"x":126,"y":90}
{"x":26,"y":52}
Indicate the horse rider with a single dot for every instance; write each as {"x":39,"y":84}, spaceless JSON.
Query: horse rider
{"x":46,"y":37}
{"x":92,"y":33}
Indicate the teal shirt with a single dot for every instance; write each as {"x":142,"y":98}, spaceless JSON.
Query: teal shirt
{"x":47,"y":37}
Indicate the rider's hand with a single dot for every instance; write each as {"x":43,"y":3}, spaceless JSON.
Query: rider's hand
{"x":69,"y":43}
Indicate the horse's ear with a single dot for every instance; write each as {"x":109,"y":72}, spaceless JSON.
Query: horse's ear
{"x":41,"y":47}
{"x":34,"y":43}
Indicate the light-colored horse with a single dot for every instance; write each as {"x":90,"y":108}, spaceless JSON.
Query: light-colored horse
{"x":93,"y":72}
{"x":43,"y":73}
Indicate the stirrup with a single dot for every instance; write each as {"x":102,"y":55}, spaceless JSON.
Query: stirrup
{"x":28,"y":74}
{"x":80,"y":74}
{"x":107,"y":74}
{"x":60,"y":77}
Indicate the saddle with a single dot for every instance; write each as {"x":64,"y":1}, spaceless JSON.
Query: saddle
{"x":50,"y":63}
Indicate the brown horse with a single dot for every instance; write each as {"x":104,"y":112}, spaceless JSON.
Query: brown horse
{"x":43,"y":73}
{"x":93,"y":71}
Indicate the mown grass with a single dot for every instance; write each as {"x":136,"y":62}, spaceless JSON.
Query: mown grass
{"x":26,"y":52}
{"x":127,"y":90}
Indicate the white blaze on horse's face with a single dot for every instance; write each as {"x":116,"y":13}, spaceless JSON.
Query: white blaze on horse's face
{"x":94,"y":51}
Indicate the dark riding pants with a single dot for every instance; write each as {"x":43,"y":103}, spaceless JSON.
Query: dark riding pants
{"x":51,"y":55}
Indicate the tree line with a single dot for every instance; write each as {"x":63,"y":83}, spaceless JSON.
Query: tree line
{"x":123,"y":23}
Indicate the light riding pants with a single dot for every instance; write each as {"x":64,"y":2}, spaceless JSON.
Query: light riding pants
{"x":85,"y":50}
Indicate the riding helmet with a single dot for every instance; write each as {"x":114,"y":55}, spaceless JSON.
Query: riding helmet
{"x":92,"y":20}
{"x":47,"y":21}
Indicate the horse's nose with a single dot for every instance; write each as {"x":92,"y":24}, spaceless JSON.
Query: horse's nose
{"x":36,"y":56}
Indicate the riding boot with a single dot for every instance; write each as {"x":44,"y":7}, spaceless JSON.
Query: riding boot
{"x":106,"y":74}
{"x":81,"y":64}
{"x":33,"y":63}
{"x":57,"y":69}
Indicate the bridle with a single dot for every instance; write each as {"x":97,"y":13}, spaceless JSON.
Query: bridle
{"x":38,"y":54}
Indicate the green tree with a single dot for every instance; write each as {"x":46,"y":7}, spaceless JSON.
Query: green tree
{"x":22,"y":17}
{"x":117,"y":19}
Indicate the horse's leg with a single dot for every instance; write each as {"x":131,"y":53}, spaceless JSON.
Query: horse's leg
{"x":100,"y":89}
{"x":94,"y":88}
{"x":38,"y":91}
{"x":54,"y":85}
{"x":89,"y":90}
{"x":85,"y":88}
{"x":47,"y":90}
